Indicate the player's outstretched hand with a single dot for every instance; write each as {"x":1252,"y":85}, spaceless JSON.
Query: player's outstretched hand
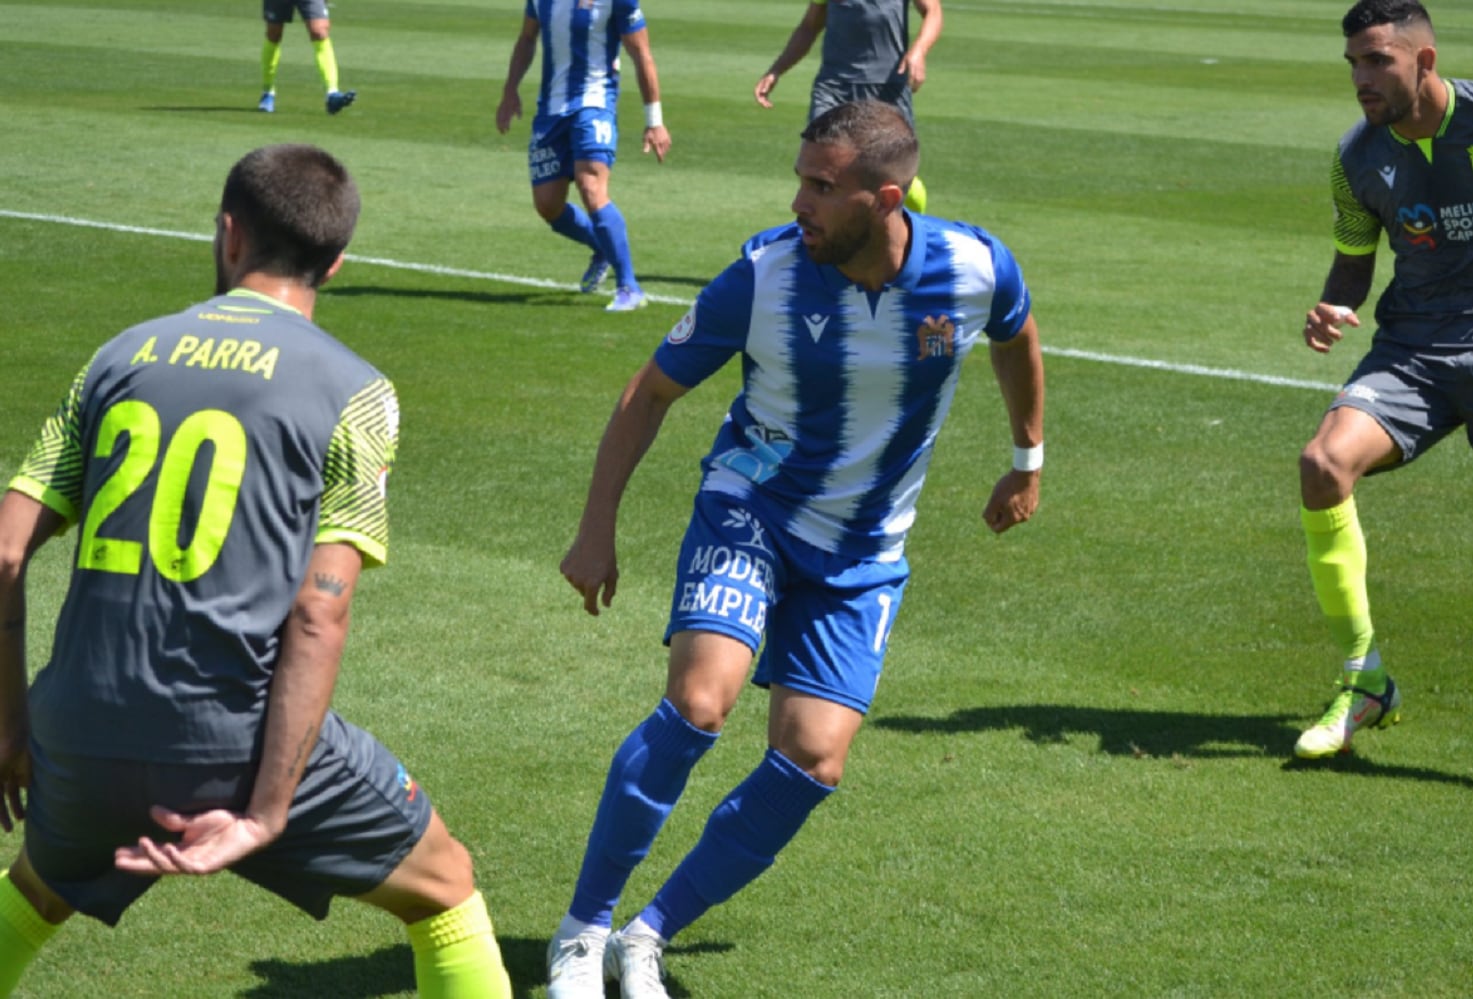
{"x":509,"y":108}
{"x":209,"y":842}
{"x":657,"y":139}
{"x":592,"y":570}
{"x":764,"y":89}
{"x":1014,"y":499}
{"x":1322,"y":325}
{"x":15,"y":776}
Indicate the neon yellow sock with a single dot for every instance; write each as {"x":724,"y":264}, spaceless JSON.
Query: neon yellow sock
{"x":270,"y":60}
{"x":22,"y":933}
{"x":1337,"y":566}
{"x":327,"y":64}
{"x":455,"y":954}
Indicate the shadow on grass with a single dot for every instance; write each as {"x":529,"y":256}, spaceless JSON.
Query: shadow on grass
{"x":1361,"y":767}
{"x":1125,"y":732}
{"x":541,"y":296}
{"x":245,"y":107}
{"x":390,"y":971}
{"x":1122,"y":731}
{"x":690,"y":282}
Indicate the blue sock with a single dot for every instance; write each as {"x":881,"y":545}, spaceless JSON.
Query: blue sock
{"x":645,"y":780}
{"x":613,"y":243}
{"x":741,"y":840}
{"x":574,"y":224}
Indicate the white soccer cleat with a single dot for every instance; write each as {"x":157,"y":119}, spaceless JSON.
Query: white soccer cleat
{"x":1352,"y":710}
{"x":575,"y":966}
{"x":636,"y":961}
{"x":627,"y":300}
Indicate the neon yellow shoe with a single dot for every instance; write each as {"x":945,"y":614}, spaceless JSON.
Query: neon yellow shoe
{"x":1352,"y":710}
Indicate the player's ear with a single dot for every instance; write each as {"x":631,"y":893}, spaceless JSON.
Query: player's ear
{"x":888,"y":198}
{"x":1426,"y":60}
{"x":336,"y":264}
{"x":231,"y":237}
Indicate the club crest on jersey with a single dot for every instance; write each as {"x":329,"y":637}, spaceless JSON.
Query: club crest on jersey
{"x":936,"y":337}
{"x":1419,"y":224}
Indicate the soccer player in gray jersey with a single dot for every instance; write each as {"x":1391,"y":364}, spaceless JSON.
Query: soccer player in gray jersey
{"x":1402,"y":170}
{"x":867,"y":55}
{"x":278,"y":14}
{"x":225,"y":469}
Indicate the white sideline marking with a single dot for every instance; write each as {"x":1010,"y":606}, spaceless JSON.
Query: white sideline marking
{"x":1084,"y":355}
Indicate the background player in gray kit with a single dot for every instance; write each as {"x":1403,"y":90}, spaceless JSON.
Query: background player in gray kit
{"x":278,"y":14}
{"x":225,"y":468}
{"x":867,"y":55}
{"x":1403,"y":170}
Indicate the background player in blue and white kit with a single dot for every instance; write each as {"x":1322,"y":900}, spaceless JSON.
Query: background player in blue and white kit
{"x":867,"y":54}
{"x":852,"y":326}
{"x":225,"y":468}
{"x":1404,"y":170}
{"x":575,"y":132}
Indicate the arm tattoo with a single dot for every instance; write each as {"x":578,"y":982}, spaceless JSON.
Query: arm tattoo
{"x":303,"y":753}
{"x":328,"y":583}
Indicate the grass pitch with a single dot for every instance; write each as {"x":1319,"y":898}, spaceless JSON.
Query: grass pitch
{"x":1077,"y":779}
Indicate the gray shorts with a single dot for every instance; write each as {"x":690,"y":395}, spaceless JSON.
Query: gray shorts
{"x":831,"y":93}
{"x":1418,"y":395}
{"x":280,"y":11}
{"x":355,"y":817}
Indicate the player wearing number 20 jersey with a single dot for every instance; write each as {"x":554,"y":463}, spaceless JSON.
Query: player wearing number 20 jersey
{"x":200,"y":456}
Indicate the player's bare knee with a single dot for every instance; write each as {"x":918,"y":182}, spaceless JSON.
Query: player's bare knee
{"x":826,"y":772}
{"x":704,"y":709}
{"x":1322,"y":478}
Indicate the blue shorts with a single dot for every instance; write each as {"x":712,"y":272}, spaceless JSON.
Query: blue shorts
{"x":355,"y":817}
{"x":560,"y":141}
{"x":1418,"y":395}
{"x":821,"y":620}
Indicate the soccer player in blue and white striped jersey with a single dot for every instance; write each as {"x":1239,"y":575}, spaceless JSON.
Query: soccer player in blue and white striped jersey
{"x":852,"y":325}
{"x":575,"y":133}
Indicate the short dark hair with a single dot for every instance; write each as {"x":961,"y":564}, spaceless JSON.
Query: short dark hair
{"x":1369,"y":13}
{"x":298,"y":207}
{"x":886,"y":146}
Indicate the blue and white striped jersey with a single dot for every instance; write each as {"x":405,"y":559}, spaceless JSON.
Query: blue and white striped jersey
{"x":843,"y":391}
{"x":580,"y":43}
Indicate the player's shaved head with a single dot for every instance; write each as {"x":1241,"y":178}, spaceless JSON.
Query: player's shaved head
{"x":886,"y":150}
{"x":298,"y":206}
{"x":1408,"y":17}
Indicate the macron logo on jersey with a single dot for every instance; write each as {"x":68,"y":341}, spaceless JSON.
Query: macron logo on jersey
{"x":1388,"y":174}
{"x":815,"y":324}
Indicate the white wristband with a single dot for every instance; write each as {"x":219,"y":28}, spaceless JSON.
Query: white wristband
{"x":653,"y":117}
{"x":1028,"y":459}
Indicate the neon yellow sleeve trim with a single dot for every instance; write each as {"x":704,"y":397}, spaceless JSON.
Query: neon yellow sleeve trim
{"x":45,"y":495}
{"x":374,"y":553}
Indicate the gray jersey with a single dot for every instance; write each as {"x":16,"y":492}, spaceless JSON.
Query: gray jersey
{"x":201,"y":456}
{"x":1421,"y":195}
{"x":864,"y":40}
